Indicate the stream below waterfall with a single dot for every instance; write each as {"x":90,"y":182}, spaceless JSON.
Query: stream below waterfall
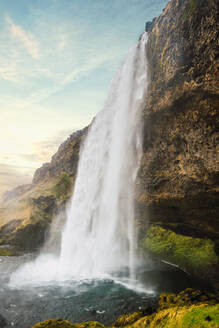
{"x":83,"y":300}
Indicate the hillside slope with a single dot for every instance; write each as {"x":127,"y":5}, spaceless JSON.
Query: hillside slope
{"x":28,"y":210}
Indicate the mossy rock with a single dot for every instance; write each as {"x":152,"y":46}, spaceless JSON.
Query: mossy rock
{"x":203,"y":316}
{"x":187,"y":252}
{"x":63,"y":187}
{"x":187,"y":297}
{"x":195,"y":316}
{"x":89,"y":324}
{"x":31,"y":235}
{"x":187,"y":317}
{"x":127,"y":319}
{"x":8,"y":252}
{"x":59,"y":323}
{"x":54,"y":323}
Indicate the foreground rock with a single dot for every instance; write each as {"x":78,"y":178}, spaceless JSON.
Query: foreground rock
{"x":59,"y":323}
{"x":190,"y":308}
{"x":178,"y":180}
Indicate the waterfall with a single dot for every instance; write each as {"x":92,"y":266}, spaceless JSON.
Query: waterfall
{"x":99,"y":235}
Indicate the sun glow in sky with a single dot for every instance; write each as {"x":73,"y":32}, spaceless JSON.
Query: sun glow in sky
{"x":57,"y":59}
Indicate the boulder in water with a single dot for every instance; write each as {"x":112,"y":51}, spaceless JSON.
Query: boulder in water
{"x":3,"y":321}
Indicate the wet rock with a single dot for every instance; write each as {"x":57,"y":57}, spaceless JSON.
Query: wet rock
{"x":148,"y":310}
{"x":3,"y":322}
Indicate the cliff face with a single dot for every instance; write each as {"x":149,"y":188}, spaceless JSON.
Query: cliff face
{"x":178,"y":178}
{"x":65,"y":160}
{"x":27,"y":211}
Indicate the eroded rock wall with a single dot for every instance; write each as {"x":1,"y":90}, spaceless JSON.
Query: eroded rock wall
{"x":178,"y":178}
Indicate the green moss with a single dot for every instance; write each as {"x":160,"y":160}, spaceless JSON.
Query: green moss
{"x":127,"y":319}
{"x":89,"y":324}
{"x":193,"y":316}
{"x":185,"y":251}
{"x":187,"y":297}
{"x":6,"y":252}
{"x":186,"y":317}
{"x":54,"y":323}
{"x":202,"y":317}
{"x":62,"y":188}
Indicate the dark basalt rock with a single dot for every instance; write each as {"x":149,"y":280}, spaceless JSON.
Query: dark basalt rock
{"x":9,"y":227}
{"x":148,"y":26}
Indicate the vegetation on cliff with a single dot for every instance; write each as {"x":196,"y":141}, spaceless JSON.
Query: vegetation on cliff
{"x":59,"y":323}
{"x":189,"y":253}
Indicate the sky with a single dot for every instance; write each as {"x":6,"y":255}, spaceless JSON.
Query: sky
{"x":57,"y":59}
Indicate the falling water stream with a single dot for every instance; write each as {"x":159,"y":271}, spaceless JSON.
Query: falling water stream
{"x":99,"y":236}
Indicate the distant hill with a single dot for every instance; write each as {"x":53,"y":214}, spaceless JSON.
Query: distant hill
{"x":27,"y":210}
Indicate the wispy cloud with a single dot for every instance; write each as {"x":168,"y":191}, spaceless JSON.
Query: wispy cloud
{"x":25,"y":38}
{"x":66,"y":53}
{"x":8,"y":71}
{"x":62,"y":41}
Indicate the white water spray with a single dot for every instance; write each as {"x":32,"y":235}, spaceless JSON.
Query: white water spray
{"x":99,"y":236}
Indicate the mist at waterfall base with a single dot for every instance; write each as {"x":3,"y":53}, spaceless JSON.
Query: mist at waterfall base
{"x":103,"y":300}
{"x":97,"y":274}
